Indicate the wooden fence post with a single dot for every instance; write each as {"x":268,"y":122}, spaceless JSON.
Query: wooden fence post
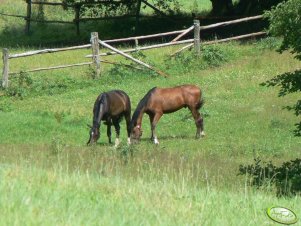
{"x":197,"y":41}
{"x":5,"y":68}
{"x":28,"y":17}
{"x":95,"y":53}
{"x":136,"y":44}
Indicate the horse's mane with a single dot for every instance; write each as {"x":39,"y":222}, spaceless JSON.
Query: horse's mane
{"x":141,"y":104}
{"x":100,"y":100}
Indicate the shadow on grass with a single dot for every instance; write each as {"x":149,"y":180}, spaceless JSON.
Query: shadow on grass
{"x":286,"y":178}
{"x":289,"y":82}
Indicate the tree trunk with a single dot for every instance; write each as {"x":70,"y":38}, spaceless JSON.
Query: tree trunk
{"x":221,"y":7}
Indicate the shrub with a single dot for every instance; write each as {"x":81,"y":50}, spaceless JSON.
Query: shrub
{"x":286,"y":177}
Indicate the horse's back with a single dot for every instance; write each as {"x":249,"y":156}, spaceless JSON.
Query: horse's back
{"x":169,"y":100}
{"x":119,"y":102}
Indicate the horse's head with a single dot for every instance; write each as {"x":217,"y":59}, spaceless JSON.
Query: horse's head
{"x":136,"y":133}
{"x":94,"y":134}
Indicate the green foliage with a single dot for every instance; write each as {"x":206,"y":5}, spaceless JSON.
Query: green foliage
{"x":131,"y":70}
{"x":285,"y":21}
{"x":19,"y":85}
{"x":213,"y":55}
{"x":185,"y":62}
{"x":286,"y":178}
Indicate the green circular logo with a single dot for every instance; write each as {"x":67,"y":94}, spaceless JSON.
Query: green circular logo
{"x":282,"y":215}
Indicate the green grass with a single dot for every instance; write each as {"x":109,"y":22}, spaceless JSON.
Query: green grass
{"x":54,"y":178}
{"x":38,"y":197}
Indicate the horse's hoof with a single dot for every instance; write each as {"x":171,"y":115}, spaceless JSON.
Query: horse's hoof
{"x":156,"y":141}
{"x":198,"y":136}
{"x":117,"y":142}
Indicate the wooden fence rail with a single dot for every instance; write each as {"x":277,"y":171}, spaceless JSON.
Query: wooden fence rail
{"x":222,"y":40}
{"x":231,"y":22}
{"x":145,"y":47}
{"x":35,"y":52}
{"x":53,"y":68}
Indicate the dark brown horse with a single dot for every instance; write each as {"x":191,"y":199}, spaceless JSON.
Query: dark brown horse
{"x":110,"y":107}
{"x":159,"y":101}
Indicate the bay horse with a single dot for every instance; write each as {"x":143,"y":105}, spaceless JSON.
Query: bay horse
{"x":110,"y":107}
{"x":159,"y":101}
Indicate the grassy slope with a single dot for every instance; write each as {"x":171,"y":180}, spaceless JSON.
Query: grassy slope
{"x":190,"y":179}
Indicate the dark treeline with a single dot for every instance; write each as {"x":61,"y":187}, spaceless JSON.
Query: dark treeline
{"x":243,"y":7}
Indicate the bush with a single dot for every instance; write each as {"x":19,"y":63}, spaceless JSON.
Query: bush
{"x":286,"y":178}
{"x":213,"y":55}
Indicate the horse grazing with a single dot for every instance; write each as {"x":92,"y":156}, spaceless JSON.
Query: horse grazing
{"x":110,"y":107}
{"x":159,"y":101}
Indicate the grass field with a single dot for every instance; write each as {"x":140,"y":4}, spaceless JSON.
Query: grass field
{"x":48,"y":176}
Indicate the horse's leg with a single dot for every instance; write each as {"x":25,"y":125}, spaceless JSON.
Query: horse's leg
{"x":109,"y":133}
{"x":128,"y":125}
{"x":154,"y":122}
{"x":199,"y":122}
{"x":151,"y":119}
{"x":117,"y":129}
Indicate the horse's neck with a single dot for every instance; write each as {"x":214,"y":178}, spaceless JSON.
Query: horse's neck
{"x":99,"y":114}
{"x":140,"y":116}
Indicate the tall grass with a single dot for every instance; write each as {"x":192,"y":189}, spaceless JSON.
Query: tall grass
{"x":35,"y":197}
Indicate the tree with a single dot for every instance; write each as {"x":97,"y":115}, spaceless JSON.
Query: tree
{"x":285,"y":21}
{"x":221,"y":7}
{"x":254,"y":7}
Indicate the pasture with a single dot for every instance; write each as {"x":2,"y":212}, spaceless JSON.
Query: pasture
{"x":49,"y":176}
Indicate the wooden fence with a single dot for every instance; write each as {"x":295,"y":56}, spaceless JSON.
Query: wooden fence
{"x":95,"y":42}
